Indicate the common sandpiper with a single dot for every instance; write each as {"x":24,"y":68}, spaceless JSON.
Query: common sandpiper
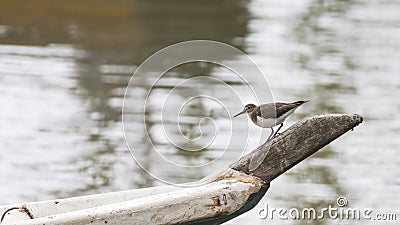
{"x":270,"y":114}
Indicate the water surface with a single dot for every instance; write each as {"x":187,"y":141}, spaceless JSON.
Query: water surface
{"x":64,"y":68}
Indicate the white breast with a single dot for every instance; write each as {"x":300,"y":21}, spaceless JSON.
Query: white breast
{"x":270,"y":122}
{"x":266,"y":123}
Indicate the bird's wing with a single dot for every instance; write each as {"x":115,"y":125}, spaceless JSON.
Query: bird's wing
{"x":275,"y":110}
{"x":268,"y":110}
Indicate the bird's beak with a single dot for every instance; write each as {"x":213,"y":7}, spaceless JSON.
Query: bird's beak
{"x":240,"y":113}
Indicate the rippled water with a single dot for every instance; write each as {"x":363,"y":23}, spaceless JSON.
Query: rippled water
{"x":64,"y":68}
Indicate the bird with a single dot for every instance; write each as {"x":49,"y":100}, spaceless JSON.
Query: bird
{"x":270,"y":115}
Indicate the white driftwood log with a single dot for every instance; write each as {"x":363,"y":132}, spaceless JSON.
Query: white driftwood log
{"x":225,"y":196}
{"x":222,"y":197}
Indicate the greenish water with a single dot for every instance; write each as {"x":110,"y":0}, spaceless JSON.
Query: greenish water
{"x":64,"y":68}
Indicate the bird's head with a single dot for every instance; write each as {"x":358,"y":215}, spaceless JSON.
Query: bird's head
{"x":248,"y":108}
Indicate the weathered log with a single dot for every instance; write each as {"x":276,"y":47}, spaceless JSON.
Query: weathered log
{"x":278,"y":155}
{"x":294,"y":145}
{"x":225,"y":196}
{"x":216,"y":199}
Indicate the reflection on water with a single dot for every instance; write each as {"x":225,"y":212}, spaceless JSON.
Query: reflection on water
{"x":64,"y":67}
{"x":73,"y":64}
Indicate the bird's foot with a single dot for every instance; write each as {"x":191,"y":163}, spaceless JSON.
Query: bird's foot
{"x":277,"y":134}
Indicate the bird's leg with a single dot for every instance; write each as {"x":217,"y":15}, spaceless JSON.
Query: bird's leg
{"x":272,"y":132}
{"x":276,"y":133}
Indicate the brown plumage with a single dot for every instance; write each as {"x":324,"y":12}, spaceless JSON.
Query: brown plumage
{"x":270,"y":114}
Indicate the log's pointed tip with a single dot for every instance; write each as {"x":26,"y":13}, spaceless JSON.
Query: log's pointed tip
{"x":358,"y":118}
